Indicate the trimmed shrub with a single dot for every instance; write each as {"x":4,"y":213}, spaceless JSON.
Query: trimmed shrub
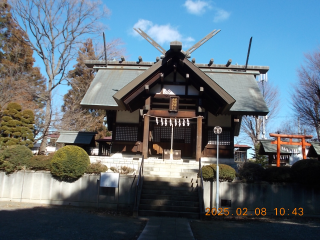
{"x":278,"y":174}
{"x":15,"y":158}
{"x":69,"y":163}
{"x":96,"y":168}
{"x":306,"y":172}
{"x":40,"y":162}
{"x":114,"y":169}
{"x":251,"y":172}
{"x":226,"y":173}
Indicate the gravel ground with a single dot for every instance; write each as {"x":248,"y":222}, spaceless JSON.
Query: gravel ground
{"x":31,"y":221}
{"x":257,"y":228}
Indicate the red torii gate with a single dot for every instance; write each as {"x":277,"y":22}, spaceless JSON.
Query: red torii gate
{"x":278,"y":141}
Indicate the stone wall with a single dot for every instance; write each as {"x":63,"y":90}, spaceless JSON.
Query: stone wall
{"x":265,"y":195}
{"x":41,"y":187}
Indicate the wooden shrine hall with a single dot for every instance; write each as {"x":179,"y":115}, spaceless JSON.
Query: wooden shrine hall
{"x":149,"y":103}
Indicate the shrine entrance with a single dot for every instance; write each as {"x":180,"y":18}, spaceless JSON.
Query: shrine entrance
{"x":302,"y":143}
{"x":178,"y":134}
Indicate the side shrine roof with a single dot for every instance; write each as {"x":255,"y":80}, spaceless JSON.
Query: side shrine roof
{"x":314,"y":150}
{"x":266,"y":148}
{"x":74,"y":137}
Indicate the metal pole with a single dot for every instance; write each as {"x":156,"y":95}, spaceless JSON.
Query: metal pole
{"x":217,"y":195}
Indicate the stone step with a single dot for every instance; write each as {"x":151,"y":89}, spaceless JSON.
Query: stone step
{"x":166,"y":208}
{"x":193,"y":197}
{"x":170,"y":174}
{"x":164,"y":202}
{"x":169,"y":185}
{"x":169,"y":179}
{"x":147,"y":213}
{"x":183,"y":192}
{"x":161,"y":169}
{"x":170,"y":166}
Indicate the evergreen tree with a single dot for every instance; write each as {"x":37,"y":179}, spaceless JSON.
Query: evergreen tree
{"x":20,"y":81}
{"x":16,"y":126}
{"x":74,"y":117}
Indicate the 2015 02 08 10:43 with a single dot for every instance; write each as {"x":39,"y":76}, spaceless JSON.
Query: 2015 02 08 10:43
{"x":257,"y":212}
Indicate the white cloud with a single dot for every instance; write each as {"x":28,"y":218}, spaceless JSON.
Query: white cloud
{"x":196,"y":7}
{"x":162,"y":34}
{"x":221,"y":15}
{"x":143,"y":25}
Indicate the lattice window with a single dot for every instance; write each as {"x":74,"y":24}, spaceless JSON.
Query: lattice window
{"x":224,"y":138}
{"x":127,"y":133}
{"x":156,"y":134}
{"x":180,"y":134}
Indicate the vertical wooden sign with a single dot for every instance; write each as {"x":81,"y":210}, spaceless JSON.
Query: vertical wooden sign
{"x":174,"y":104}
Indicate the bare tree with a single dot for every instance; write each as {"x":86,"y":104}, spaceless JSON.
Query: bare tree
{"x":54,"y":28}
{"x":306,"y":95}
{"x":252,"y":125}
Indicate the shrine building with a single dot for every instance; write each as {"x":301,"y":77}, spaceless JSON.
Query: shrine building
{"x":149,"y":103}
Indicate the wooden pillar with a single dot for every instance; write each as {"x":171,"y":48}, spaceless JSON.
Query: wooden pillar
{"x":146,"y":129}
{"x":145,"y":137}
{"x":199,"y":138}
{"x":278,"y":151}
{"x":303,"y":148}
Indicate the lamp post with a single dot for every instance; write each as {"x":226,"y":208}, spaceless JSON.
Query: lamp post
{"x":217,"y":130}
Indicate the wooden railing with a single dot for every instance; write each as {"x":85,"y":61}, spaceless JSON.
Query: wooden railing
{"x":138,"y":189}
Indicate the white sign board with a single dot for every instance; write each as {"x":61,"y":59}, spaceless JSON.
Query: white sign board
{"x":108,"y":179}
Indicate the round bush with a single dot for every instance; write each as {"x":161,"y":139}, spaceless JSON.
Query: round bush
{"x":69,"y":163}
{"x":278,"y":174}
{"x":306,"y":171}
{"x":251,"y":172}
{"x":14,"y":158}
{"x":226,"y":173}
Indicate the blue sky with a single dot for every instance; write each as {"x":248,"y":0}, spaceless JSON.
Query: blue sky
{"x":282,"y":32}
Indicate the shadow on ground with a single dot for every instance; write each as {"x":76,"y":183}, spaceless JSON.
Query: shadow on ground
{"x":257,"y":228}
{"x":27,"y":221}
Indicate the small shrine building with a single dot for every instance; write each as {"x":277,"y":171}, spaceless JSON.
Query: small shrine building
{"x":148,"y":103}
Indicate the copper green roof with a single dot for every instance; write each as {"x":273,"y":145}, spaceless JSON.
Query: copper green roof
{"x":239,"y":89}
{"x":314,"y":150}
{"x":266,"y":147}
{"x":75,"y":137}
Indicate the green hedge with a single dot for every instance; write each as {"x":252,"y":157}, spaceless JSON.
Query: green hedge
{"x":69,"y":163}
{"x":278,"y":174}
{"x":306,"y":171}
{"x":40,"y":162}
{"x":226,"y":173}
{"x":251,"y":172}
{"x":96,"y":168}
{"x":14,"y":158}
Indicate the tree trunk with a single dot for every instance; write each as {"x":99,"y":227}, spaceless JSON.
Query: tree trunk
{"x":47,"y":122}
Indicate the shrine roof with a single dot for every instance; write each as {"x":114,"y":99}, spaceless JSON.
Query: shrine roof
{"x":266,"y":147}
{"x":314,"y":150}
{"x":75,"y":137}
{"x":237,"y":83}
